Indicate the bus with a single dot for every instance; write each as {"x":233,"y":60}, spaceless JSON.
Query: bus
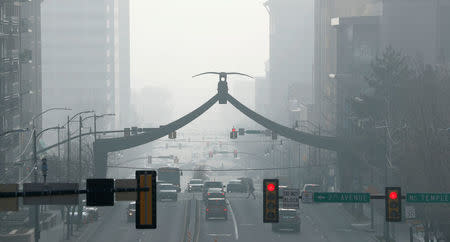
{"x":170,"y":175}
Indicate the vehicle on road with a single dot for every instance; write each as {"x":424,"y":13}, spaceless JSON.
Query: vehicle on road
{"x":216,"y":208}
{"x":195,"y":185}
{"x":236,"y":186}
{"x":170,"y":175}
{"x":92,"y":211}
{"x":74,"y":217}
{"x":131,"y":212}
{"x":307,"y":192}
{"x":214,"y":193}
{"x":211,"y":184}
{"x":166,"y":191}
{"x":288,"y":221}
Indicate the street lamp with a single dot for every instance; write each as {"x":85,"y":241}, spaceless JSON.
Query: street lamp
{"x":13,"y":131}
{"x":45,"y":111}
{"x":95,"y":121}
{"x":68,"y":136}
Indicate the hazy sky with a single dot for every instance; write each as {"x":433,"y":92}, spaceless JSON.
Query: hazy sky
{"x":171,"y":40}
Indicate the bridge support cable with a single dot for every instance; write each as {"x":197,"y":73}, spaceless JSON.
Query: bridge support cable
{"x":103,"y":146}
{"x":324,"y":142}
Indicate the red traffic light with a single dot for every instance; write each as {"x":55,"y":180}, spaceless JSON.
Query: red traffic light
{"x":234,"y":130}
{"x":393,"y":195}
{"x":270,"y":187}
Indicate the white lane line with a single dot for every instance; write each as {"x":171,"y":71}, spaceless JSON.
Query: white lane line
{"x":236,"y":233}
{"x":219,"y":235}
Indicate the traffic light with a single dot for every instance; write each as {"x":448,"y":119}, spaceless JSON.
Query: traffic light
{"x":126,"y":132}
{"x":393,"y":204}
{"x":146,"y":200}
{"x":134,"y":130}
{"x":233,"y":134}
{"x":235,"y":154}
{"x":241,"y":131}
{"x":173,"y":135}
{"x":270,"y":201}
{"x":274,"y":135}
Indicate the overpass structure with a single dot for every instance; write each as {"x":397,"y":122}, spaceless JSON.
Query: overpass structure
{"x":103,"y":146}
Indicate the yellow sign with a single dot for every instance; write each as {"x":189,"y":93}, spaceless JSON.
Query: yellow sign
{"x":146,"y":200}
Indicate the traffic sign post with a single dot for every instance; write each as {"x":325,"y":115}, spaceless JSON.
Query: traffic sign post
{"x":146,"y":200}
{"x":341,"y":197}
{"x":10,"y":203}
{"x":290,"y":198}
{"x":125,"y":184}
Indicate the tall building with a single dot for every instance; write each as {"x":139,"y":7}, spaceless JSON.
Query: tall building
{"x":20,"y":75}
{"x":85,"y":58}
{"x":291,"y":53}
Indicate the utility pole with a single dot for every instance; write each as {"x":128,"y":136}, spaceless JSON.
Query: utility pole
{"x":68,"y":218}
{"x":37,"y":232}
{"x":79,"y":170}
{"x":95,"y":127}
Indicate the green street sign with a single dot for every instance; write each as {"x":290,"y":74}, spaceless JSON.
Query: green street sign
{"x":341,"y":197}
{"x":252,"y":131}
{"x":428,"y":197}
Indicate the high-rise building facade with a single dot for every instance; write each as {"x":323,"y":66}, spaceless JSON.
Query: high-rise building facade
{"x":20,"y":76}
{"x":85,"y":56}
{"x":291,"y":53}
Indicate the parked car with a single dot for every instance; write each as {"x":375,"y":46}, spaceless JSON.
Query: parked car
{"x":236,"y":186}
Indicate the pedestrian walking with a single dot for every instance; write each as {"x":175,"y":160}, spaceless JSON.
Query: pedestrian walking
{"x":251,"y":191}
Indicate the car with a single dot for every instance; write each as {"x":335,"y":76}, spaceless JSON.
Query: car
{"x":236,"y":186}
{"x":214,"y":193}
{"x":211,"y":184}
{"x":195,"y":185}
{"x":307,"y":192}
{"x":288,"y":221}
{"x":166,"y":191}
{"x":216,"y":208}
{"x":131,"y":212}
{"x":74,"y":217}
{"x":92,"y":211}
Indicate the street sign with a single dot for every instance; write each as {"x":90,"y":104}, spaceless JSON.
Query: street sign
{"x":100,"y":192}
{"x":10,"y":203}
{"x":341,"y":197}
{"x":125,"y":183}
{"x":253,"y":131}
{"x":146,"y":200}
{"x":410,"y":212}
{"x":290,"y":198}
{"x":307,"y":197}
{"x":428,"y":197}
{"x":70,"y":199}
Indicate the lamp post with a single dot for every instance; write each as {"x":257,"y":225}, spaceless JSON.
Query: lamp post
{"x":95,"y":121}
{"x":45,"y":111}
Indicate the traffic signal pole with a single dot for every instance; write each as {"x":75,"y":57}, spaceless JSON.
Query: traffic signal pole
{"x":37,"y":231}
{"x":79,"y":170}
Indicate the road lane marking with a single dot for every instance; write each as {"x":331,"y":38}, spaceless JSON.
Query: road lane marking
{"x":220,"y":235}
{"x":236,"y":232}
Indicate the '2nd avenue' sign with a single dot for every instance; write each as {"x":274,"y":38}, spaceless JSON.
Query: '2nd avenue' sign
{"x":341,"y":197}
